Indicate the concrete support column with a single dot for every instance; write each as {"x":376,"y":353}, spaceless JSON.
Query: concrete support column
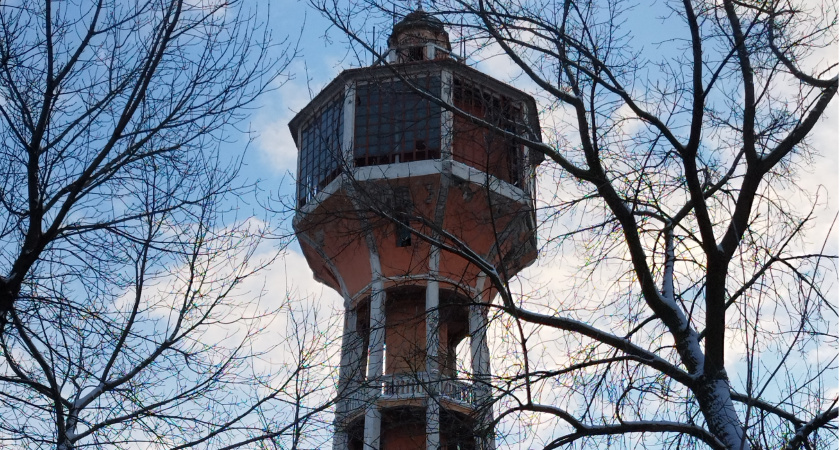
{"x":430,"y":50}
{"x":349,"y":113}
{"x":376,"y":344}
{"x":432,"y":351}
{"x":447,"y":120}
{"x":349,"y":376}
{"x":480,"y":361}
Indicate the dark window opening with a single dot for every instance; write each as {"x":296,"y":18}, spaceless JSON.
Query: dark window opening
{"x":415,"y":54}
{"x":403,"y":235}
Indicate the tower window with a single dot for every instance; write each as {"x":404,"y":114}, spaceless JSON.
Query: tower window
{"x":403,"y":236}
{"x":488,"y":149}
{"x":415,"y":54}
{"x":320,"y":153}
{"x":395,"y":124}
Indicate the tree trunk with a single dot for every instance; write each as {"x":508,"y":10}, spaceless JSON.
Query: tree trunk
{"x":715,"y":401}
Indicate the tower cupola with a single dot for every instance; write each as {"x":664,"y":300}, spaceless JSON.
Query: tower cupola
{"x":419,"y":37}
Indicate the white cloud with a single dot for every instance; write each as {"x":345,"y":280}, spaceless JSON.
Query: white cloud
{"x":274,"y":141}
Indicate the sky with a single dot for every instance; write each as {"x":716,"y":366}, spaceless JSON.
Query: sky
{"x":271,"y":159}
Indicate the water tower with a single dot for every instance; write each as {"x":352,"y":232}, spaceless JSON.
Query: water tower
{"x":392,"y":187}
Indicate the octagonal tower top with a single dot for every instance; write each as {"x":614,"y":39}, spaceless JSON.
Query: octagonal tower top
{"x":400,"y":136}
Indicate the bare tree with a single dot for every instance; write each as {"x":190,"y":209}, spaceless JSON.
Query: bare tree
{"x":701,"y":312}
{"x":122,"y":249}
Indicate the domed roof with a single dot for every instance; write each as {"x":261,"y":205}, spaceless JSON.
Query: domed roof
{"x":418,"y":19}
{"x":419,"y":26}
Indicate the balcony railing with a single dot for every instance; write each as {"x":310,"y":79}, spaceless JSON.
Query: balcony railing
{"x":459,"y":391}
{"x":411,"y":386}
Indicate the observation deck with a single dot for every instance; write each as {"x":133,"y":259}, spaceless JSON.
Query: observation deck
{"x":414,"y":386}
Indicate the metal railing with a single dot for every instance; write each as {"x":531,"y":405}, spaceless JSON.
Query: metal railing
{"x":410,"y":386}
{"x":407,"y":385}
{"x":459,"y":391}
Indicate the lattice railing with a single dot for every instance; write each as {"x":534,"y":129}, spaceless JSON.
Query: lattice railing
{"x":412,"y":385}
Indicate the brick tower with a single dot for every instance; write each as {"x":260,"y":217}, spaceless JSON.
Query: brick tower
{"x":392,"y":187}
